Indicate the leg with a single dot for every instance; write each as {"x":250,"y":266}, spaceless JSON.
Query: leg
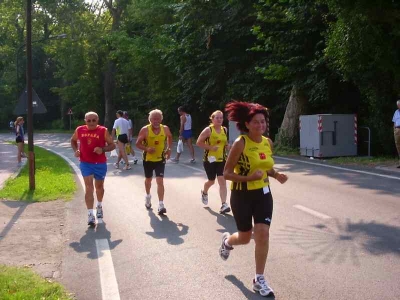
{"x":222,"y":188}
{"x":20,"y":149}
{"x":89,"y":189}
{"x":160,"y":188}
{"x":190,"y":146}
{"x":207,"y":185}
{"x":239,"y":238}
{"x":99,"y":186}
{"x":147,"y":184}
{"x":261,"y":238}
{"x":122,"y":153}
{"x":397,"y":140}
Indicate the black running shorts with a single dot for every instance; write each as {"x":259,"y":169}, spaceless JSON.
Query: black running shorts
{"x":123,"y":138}
{"x":157,"y":166}
{"x":249,"y":205}
{"x":214,"y":169}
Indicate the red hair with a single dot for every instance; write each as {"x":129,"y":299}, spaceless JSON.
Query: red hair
{"x":242,"y":112}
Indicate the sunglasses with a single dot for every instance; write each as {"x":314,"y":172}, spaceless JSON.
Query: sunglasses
{"x":91,"y":120}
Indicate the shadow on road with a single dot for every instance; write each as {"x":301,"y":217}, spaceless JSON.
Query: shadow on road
{"x":87,"y":243}
{"x":225,"y":220}
{"x":21,"y":208}
{"x":164,"y":228}
{"x":339,"y":242}
{"x":248,"y":294}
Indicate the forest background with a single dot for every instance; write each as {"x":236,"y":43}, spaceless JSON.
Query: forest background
{"x":295,"y":57}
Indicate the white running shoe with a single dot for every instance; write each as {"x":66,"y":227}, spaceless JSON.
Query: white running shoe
{"x":174,"y":160}
{"x":135,"y":160}
{"x":261,"y":285}
{"x":148,"y":201}
{"x":127,"y":167}
{"x":91,"y":220}
{"x":161,"y":209}
{"x":116,"y":165}
{"x":99,"y":212}
{"x":192,"y":161}
{"x":224,"y":250}
{"x":204,"y":198}
{"x":224,"y":208}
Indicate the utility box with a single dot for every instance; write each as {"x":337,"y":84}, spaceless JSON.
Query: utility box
{"x":328,"y":135}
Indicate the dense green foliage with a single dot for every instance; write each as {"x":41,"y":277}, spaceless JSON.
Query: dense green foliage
{"x":342,"y":57}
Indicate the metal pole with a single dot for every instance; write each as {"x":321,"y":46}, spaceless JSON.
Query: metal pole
{"x":31,"y":156}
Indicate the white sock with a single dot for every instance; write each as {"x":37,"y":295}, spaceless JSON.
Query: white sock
{"x":160,"y":202}
{"x":91,"y":212}
{"x":99,"y":204}
{"x":258,"y":275}
{"x":227,"y":244}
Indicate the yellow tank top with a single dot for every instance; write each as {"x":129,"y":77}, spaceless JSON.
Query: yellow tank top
{"x":156,"y":141}
{"x":219,"y":139}
{"x":255,"y":156}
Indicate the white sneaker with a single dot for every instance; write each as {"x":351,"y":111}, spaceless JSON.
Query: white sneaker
{"x":174,"y":160}
{"x":161,"y":209}
{"x":224,"y":250}
{"x":127,"y":167}
{"x":99,"y":212}
{"x":224,"y":208}
{"x":148,"y":201}
{"x":91,"y":220}
{"x":116,"y":165}
{"x":261,"y":285}
{"x":204,"y":198}
{"x":135,"y":160}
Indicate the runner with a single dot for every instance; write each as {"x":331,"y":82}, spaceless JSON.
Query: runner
{"x":155,"y":140}
{"x":249,"y":166}
{"x":185,"y":133}
{"x":121,"y":130}
{"x":94,"y":141}
{"x":214,"y":141}
{"x":130,"y":137}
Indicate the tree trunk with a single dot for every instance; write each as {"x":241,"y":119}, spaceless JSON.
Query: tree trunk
{"x":289,"y":131}
{"x":109,"y":84}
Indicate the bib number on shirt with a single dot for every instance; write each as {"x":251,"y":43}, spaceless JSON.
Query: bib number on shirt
{"x":212,"y":159}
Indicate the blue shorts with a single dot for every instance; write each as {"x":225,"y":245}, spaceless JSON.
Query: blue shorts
{"x":98,"y":170}
{"x":187,"y":134}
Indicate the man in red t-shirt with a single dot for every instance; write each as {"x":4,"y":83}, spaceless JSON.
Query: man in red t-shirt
{"x":94,"y":141}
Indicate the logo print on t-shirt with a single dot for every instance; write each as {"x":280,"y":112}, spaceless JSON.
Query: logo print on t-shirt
{"x":89,"y":141}
{"x":262,"y":156}
{"x":219,"y":141}
{"x":156,"y":142}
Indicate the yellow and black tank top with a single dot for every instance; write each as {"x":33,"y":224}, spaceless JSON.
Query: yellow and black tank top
{"x":156,"y":141}
{"x":216,"y":139}
{"x":255,"y":156}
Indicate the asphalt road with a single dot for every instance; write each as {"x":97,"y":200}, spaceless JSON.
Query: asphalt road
{"x":335,"y":235}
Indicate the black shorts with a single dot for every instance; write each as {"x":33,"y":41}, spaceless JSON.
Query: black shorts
{"x":214,"y":169}
{"x":157,"y":166}
{"x":19,"y":139}
{"x":123,"y":138}
{"x":248,"y":205}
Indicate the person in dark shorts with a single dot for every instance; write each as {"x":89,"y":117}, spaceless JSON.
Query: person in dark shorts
{"x":249,"y":166}
{"x":94,"y":141}
{"x":20,"y":138}
{"x":155,"y":140}
{"x":121,"y":130}
{"x":214,"y":140}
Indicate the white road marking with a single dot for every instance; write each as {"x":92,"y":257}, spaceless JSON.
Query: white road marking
{"x":108,"y":280}
{"x":109,"y":285}
{"x":193,"y":168}
{"x":339,"y":168}
{"x":312,"y":212}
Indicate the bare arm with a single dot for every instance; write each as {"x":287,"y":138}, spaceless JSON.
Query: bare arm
{"x":201,"y":141}
{"x":110,"y":144}
{"x":233,"y":158}
{"x":169,"y":142}
{"x":141,"y":137}
{"x":183,"y":121}
{"x":113,"y":134}
{"x":74,"y":144}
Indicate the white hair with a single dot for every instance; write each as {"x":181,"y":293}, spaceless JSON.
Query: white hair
{"x":155,"y":112}
{"x":398,"y":102}
{"x":91,"y":113}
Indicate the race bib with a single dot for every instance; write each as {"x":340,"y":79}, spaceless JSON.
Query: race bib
{"x":212,"y":159}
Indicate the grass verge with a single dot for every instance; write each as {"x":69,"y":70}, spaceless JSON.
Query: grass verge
{"x":365,"y":161}
{"x":23,"y":283}
{"x":54,"y":180}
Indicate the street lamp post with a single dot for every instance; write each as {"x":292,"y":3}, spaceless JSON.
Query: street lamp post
{"x":31,"y":154}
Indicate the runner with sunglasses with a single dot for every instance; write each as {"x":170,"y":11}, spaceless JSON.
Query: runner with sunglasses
{"x":94,"y":141}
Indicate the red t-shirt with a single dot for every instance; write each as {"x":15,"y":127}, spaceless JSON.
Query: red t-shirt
{"x":90,"y":139}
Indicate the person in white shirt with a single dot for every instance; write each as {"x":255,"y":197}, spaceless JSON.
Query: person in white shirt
{"x":396,"y":127}
{"x":185,"y":133}
{"x":130,"y":137}
{"x":121,"y":130}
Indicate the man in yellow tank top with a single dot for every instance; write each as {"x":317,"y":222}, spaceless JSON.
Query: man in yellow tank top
{"x":155,"y":140}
